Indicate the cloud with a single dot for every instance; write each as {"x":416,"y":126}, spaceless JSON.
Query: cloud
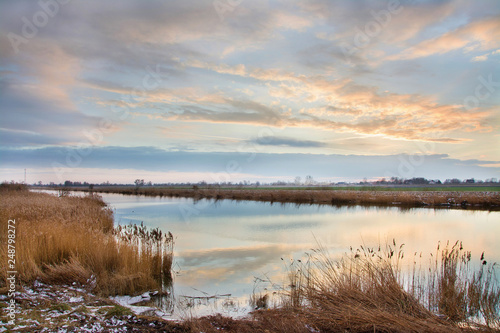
{"x":398,"y":21}
{"x":480,"y":35}
{"x":30,"y":118}
{"x":483,"y":57}
{"x":93,"y":58}
{"x":287,"y":142}
{"x":401,"y":116}
{"x":237,"y":165}
{"x":243,"y":112}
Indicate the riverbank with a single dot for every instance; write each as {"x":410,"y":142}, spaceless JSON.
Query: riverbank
{"x":398,"y":197}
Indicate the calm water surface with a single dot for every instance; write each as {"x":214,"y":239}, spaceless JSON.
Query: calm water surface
{"x":221,"y":247}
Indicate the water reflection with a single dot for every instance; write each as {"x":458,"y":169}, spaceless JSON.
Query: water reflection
{"x":221,"y":246}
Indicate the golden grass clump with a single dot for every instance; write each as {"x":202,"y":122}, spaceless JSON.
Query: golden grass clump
{"x":367,"y":291}
{"x":72,"y":239}
{"x":460,"y":290}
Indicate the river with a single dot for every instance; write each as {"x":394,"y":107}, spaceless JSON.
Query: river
{"x":237,"y":248}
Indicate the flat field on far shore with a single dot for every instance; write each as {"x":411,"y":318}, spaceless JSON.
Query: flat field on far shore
{"x":469,"y":197}
{"x":434,"y":188}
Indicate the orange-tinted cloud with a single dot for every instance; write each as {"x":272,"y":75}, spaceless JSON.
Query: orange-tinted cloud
{"x":478,"y":35}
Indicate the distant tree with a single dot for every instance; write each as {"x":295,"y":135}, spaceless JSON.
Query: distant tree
{"x":297,"y":180}
{"x":139,"y":183}
{"x":420,"y":181}
{"x":397,"y":180}
{"x":309,"y":180}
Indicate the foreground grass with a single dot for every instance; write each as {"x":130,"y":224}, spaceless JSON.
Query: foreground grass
{"x":380,"y":197}
{"x":72,"y":239}
{"x":364,"y":291}
{"x":368,"y":291}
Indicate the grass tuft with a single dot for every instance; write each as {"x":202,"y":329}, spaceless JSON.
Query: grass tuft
{"x":118,"y":311}
{"x":62,"y":307}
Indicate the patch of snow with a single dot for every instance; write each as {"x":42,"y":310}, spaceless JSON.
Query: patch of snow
{"x":115,"y":322}
{"x":76,"y":299}
{"x":94,"y":327}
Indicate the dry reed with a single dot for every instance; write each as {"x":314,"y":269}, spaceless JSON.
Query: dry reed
{"x":367,"y":291}
{"x":72,"y":239}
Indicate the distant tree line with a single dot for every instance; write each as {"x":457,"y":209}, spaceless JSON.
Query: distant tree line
{"x":424,"y":181}
{"x":308,"y":181}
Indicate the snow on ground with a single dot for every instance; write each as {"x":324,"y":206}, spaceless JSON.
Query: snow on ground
{"x":47,"y":308}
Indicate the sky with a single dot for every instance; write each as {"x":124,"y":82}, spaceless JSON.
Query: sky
{"x":232,"y":90}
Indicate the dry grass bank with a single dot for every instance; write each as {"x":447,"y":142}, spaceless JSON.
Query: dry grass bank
{"x":72,"y":239}
{"x":473,"y":200}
